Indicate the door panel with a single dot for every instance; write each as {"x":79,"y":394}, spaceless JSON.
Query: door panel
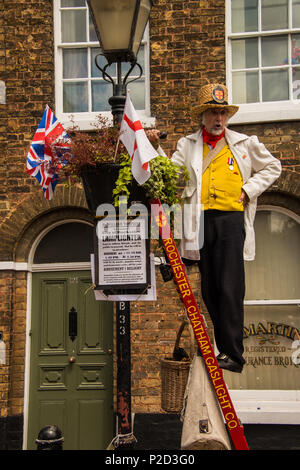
{"x":52,"y":377}
{"x":57,"y":409}
{"x":90,"y":413}
{"x":71,"y":378}
{"x":91,"y":337}
{"x":52,"y":309}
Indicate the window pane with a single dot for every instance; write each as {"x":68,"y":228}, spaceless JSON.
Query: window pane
{"x":275,"y":273}
{"x":137,"y":93}
{"x":73,"y":26}
{"x":140,"y":59}
{"x":296,"y":83}
{"x":72,"y":3}
{"x":92,"y":31}
{"x":275,"y":85}
{"x":75,"y":97}
{"x":295,"y":52}
{"x":101,"y":61}
{"x":66,"y":243}
{"x":269,"y":333}
{"x":296,"y":13}
{"x":101,"y":92}
{"x":274,"y":50}
{"x":75,"y":63}
{"x":244,"y":53}
{"x":274,"y":14}
{"x":245,"y":87}
{"x":244,"y":16}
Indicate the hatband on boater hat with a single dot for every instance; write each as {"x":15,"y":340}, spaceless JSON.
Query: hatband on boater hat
{"x":214,"y":95}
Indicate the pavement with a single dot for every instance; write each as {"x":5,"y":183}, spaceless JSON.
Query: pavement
{"x":272,"y":436}
{"x":155,"y":432}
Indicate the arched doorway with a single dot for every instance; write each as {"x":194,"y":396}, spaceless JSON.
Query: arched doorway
{"x":71,"y":342}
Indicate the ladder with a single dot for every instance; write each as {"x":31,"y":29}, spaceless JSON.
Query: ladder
{"x":197,"y":321}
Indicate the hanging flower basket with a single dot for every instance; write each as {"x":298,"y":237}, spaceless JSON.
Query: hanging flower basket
{"x":100,"y":161}
{"x":99,"y":182}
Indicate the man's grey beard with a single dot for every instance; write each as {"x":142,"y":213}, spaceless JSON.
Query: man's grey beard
{"x":216,"y":132}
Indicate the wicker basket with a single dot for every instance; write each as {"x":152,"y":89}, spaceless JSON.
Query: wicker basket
{"x":174,"y":376}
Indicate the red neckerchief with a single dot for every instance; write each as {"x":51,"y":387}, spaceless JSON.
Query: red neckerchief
{"x":210,"y":138}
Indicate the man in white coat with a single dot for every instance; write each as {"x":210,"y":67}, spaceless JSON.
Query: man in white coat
{"x":228,"y":171}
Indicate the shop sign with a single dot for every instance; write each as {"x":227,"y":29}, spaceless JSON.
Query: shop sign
{"x":271,"y":344}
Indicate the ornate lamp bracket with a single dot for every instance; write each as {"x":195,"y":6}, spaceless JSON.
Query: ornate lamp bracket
{"x":117,"y":101}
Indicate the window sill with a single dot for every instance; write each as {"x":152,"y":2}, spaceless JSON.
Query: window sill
{"x":267,"y":406}
{"x":87,"y":121}
{"x":267,"y":112}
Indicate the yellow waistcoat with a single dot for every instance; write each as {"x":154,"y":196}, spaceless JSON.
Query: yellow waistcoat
{"x":222,"y":182}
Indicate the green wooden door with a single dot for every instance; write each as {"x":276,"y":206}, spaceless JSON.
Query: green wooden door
{"x":71,"y":379}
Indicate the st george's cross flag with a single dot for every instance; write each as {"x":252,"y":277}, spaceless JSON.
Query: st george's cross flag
{"x":46,"y":151}
{"x":137,"y":143}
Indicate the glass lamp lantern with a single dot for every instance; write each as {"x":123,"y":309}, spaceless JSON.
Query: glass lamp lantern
{"x":120,"y":25}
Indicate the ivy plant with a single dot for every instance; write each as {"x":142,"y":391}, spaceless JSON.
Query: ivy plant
{"x":163,"y":183}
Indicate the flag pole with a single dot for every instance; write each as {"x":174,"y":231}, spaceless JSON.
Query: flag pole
{"x":117,"y":146}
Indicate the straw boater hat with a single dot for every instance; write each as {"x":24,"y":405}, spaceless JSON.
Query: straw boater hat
{"x":214,"y":95}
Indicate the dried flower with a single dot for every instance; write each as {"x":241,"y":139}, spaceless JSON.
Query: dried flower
{"x":88,"y":148}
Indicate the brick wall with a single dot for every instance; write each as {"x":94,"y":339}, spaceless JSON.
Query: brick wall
{"x":6,"y":287}
{"x":12,"y":325}
{"x":281,"y":138}
{"x":187,"y":51}
{"x":27,"y":67}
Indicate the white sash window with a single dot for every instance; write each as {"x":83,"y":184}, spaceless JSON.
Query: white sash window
{"x":263,"y":59}
{"x":81,"y":92}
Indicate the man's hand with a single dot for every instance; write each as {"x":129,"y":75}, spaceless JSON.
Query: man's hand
{"x":153,"y":136}
{"x":244,"y":198}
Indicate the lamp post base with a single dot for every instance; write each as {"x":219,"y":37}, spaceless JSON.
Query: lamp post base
{"x":125,"y":438}
{"x":125,"y":442}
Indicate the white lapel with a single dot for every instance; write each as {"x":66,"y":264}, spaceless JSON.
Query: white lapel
{"x":196,"y":152}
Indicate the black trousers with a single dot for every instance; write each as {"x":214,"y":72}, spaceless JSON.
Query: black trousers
{"x":223,"y":278}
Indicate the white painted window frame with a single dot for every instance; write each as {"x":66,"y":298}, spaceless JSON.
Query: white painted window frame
{"x":262,"y":111}
{"x":86,"y":120}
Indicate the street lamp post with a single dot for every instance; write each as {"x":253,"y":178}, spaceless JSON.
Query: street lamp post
{"x":120,"y":25}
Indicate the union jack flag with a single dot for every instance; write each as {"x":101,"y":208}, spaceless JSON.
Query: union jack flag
{"x":46,"y":151}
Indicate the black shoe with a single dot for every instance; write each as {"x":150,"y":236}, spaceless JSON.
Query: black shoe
{"x":225,"y":362}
